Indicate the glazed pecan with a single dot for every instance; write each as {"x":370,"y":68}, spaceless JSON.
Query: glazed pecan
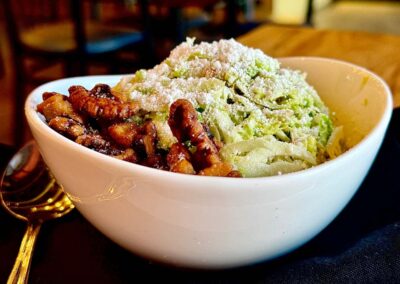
{"x":100,"y":144}
{"x":100,"y":119}
{"x":178,"y":159}
{"x":221,"y":169}
{"x":67,"y":127}
{"x":124,"y":133}
{"x":57,"y":105}
{"x":100,"y":103}
{"x":185,"y":126}
{"x":142,"y":138}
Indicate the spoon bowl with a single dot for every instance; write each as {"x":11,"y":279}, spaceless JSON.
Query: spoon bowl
{"x":29,"y":192}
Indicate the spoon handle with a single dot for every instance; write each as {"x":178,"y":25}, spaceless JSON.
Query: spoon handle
{"x":20,"y":271}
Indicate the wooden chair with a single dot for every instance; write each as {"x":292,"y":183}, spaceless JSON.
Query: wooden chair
{"x":46,"y":32}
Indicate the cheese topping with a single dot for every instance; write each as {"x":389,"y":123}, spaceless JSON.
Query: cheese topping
{"x":269,"y":118}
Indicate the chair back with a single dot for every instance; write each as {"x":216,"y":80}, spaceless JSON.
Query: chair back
{"x":24,"y":15}
{"x":51,"y":33}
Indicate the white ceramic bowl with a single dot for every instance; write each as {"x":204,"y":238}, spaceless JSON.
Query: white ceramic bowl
{"x":213,"y":222}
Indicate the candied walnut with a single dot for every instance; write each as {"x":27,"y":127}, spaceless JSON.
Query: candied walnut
{"x":149,"y":137}
{"x":57,"y":105}
{"x":206,"y":154}
{"x":183,"y":166}
{"x":220,"y":170}
{"x":98,"y":143}
{"x":142,"y":138}
{"x":183,"y":121}
{"x":235,"y":174}
{"x":146,"y":141}
{"x":105,"y":91}
{"x":185,"y":126}
{"x":156,"y":161}
{"x":128,"y":155}
{"x":123,"y":133}
{"x":102,"y":91}
{"x":47,"y":95}
{"x":98,"y":119}
{"x":67,"y":126}
{"x":178,"y":159}
{"x":100,"y":103}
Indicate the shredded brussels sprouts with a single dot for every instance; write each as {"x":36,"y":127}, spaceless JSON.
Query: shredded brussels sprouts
{"x":270,"y":120}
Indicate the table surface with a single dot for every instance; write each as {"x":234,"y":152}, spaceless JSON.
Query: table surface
{"x":379,"y":53}
{"x":362,"y":245}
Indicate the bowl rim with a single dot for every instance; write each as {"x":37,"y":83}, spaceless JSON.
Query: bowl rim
{"x":35,"y":121}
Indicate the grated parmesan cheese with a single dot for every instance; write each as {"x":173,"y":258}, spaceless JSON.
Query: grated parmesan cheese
{"x":189,"y":67}
{"x":245,"y":98}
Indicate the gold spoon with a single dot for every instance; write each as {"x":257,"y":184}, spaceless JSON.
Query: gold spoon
{"x":29,"y":192}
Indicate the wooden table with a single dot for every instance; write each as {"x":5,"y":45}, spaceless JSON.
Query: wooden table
{"x":379,"y":53}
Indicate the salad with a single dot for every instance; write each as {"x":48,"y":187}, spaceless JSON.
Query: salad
{"x":268,"y":119}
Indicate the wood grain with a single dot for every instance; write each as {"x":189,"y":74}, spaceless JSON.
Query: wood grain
{"x":379,"y":53}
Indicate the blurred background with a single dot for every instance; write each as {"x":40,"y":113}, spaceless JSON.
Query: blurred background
{"x":43,"y":40}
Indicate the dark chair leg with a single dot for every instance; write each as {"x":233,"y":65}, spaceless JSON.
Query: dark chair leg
{"x":310,"y":12}
{"x":231,"y":20}
{"x":68,"y":68}
{"x":75,"y":67}
{"x":82,"y":66}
